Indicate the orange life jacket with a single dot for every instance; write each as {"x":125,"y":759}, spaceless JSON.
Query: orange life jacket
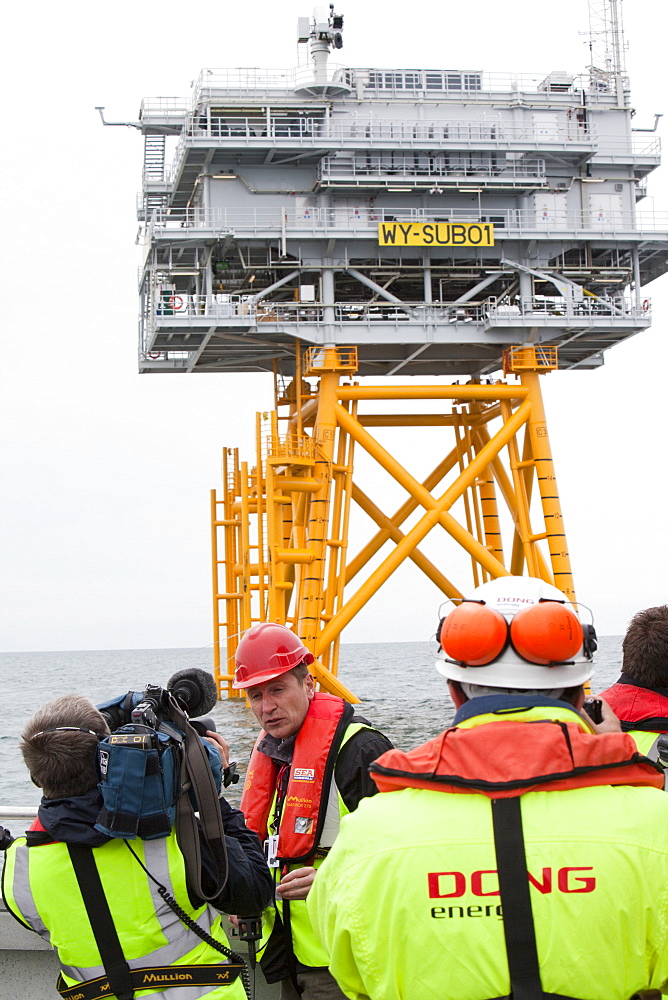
{"x":500,"y":761}
{"x":303,"y":807}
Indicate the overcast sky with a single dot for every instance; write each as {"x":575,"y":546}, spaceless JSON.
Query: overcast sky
{"x":106,"y":474}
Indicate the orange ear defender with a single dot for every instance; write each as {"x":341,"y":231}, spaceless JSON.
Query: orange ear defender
{"x":474,"y":634}
{"x":547,"y":632}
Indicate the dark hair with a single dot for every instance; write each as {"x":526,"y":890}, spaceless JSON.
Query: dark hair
{"x":571,"y":695}
{"x":645,"y":647}
{"x":63,"y":763}
{"x":301,"y":671}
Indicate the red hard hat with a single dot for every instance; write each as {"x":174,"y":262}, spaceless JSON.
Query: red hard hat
{"x":266,"y":651}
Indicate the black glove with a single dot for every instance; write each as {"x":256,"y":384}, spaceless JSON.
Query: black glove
{"x":6,"y":839}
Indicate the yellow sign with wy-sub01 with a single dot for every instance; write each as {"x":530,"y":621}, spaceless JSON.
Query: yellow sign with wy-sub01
{"x":436,"y":234}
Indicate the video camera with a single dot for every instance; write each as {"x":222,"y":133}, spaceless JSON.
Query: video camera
{"x":155,"y":769}
{"x":194,"y":692}
{"x":154,"y":718}
{"x":193,"y":689}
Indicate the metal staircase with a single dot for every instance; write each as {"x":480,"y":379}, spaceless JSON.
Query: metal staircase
{"x":154,"y":174}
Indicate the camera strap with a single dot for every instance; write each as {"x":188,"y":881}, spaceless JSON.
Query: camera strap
{"x":196,"y":775}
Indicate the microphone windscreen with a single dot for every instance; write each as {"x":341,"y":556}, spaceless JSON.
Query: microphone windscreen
{"x":194,"y":689}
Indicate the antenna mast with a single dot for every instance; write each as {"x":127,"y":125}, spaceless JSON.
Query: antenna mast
{"x":607,"y":48}
{"x":322,"y":33}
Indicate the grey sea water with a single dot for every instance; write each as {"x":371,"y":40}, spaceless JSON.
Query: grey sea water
{"x":401,"y":694}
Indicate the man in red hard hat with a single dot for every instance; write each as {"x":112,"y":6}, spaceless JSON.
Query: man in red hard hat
{"x":309,"y":768}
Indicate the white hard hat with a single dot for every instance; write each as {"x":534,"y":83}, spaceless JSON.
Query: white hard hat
{"x":515,"y":632}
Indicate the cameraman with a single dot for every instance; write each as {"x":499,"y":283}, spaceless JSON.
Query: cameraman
{"x":42,"y":887}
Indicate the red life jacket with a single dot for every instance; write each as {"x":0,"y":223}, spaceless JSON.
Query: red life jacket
{"x":638,"y":708}
{"x":305,"y":803}
{"x":500,"y":761}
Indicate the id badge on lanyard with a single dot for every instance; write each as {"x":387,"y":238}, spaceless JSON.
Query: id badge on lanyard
{"x":271,"y":843}
{"x":271,"y":850}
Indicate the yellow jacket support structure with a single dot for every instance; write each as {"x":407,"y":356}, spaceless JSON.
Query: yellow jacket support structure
{"x":285,"y":522}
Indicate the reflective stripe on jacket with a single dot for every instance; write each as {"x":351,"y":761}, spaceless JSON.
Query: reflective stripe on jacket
{"x":407,"y":902}
{"x":645,"y":742}
{"x":40,"y":888}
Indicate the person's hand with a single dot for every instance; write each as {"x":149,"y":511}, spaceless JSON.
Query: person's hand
{"x":609,"y":721}
{"x":233,"y":919}
{"x":221,"y":745}
{"x":296,"y":884}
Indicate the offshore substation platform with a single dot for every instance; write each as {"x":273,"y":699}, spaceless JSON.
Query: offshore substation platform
{"x":349,"y":229}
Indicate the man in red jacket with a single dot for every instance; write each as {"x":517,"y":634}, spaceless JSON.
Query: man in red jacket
{"x":309,"y":768}
{"x":640,"y":697}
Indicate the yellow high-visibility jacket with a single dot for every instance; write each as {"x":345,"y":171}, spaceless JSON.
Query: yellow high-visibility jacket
{"x":40,"y":889}
{"x":407,"y":902}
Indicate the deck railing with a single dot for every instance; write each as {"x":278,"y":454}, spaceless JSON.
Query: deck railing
{"x":172,"y":306}
{"x":429,"y":169}
{"x":364,"y":218}
{"x":208,"y":124}
{"x":434,"y":83}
